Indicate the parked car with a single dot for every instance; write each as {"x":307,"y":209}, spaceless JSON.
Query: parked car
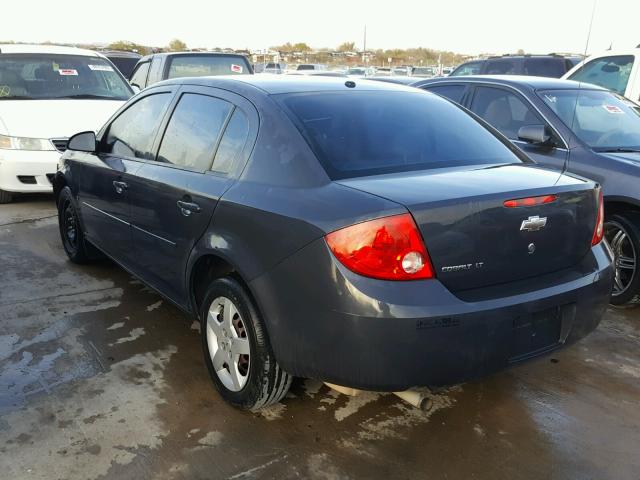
{"x":400,"y":71}
{"x":124,"y":61}
{"x":360,"y":71}
{"x":383,"y":228}
{"x":161,"y":66}
{"x":47,"y":93}
{"x":311,"y":67}
{"x":424,"y":72}
{"x":618,"y":71}
{"x":552,"y":65}
{"x":276,"y":68}
{"x":566,"y":125}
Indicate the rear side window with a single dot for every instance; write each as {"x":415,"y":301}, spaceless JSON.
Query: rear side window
{"x":133,"y":132}
{"x":545,"y":67}
{"x":139,"y":76}
{"x":192,"y":133}
{"x":502,"y":66}
{"x":360,"y":133}
{"x":608,"y":72}
{"x":201,"y":66}
{"x":452,"y":92}
{"x":233,"y":140}
{"x":503,"y":110}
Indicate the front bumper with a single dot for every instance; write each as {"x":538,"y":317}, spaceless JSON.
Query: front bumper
{"x":328,"y":323}
{"x":26,"y":171}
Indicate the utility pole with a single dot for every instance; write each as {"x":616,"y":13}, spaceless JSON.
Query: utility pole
{"x":364,"y":46}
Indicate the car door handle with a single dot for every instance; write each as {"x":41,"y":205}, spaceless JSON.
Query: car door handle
{"x":187,"y":208}
{"x":120,"y":186}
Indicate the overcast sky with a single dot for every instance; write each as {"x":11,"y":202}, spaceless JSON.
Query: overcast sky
{"x":464,"y":26}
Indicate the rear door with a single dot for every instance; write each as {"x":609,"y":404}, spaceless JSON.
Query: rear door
{"x":508,"y":111}
{"x":106,"y":177}
{"x":174,"y":196}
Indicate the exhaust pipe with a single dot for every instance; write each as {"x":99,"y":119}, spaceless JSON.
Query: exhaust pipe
{"x":418,"y":399}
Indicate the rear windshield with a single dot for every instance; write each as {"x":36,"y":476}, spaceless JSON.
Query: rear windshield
{"x":49,"y":76}
{"x":364,"y":133}
{"x":205,"y":65}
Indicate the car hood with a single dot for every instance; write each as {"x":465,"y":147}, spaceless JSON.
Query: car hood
{"x":54,"y":118}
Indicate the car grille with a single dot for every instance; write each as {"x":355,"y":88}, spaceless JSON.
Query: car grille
{"x":60,"y":143}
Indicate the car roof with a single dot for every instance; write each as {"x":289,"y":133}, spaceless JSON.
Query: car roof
{"x":277,"y":84}
{"x":534,"y":83}
{"x":180,"y":54}
{"x":50,"y":49}
{"x":120,"y":53}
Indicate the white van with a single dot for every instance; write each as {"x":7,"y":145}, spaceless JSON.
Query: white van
{"x":47,"y":94}
{"x":619,"y":71}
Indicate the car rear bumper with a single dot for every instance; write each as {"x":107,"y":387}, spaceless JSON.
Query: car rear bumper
{"x":27,"y":171}
{"x":328,"y":323}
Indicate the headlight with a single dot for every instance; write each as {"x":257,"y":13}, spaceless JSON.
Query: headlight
{"x":24,"y":143}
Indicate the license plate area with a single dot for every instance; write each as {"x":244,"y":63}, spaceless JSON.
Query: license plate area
{"x":540,"y":332}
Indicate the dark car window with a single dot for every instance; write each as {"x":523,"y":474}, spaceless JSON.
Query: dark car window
{"x":608,"y":72}
{"x":502,"y":66}
{"x":139,"y":76}
{"x":452,"y":92}
{"x":366,"y":133}
{"x":192,"y":133}
{"x":504,"y":110}
{"x":133,"y":132}
{"x":553,"y":67}
{"x":201,"y":66}
{"x":124,"y":64}
{"x":469,"y":68}
{"x":234,"y":138}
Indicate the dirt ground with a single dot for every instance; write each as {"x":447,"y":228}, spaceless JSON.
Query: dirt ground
{"x":102,"y":378}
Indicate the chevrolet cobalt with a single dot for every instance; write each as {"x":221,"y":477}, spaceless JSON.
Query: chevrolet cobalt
{"x":366,"y":234}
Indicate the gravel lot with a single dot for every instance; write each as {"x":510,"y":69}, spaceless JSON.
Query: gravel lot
{"x":101,"y":378}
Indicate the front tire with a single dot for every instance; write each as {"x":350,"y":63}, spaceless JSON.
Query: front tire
{"x":71,"y":234}
{"x":5,"y":197}
{"x":237,"y":351}
{"x":623,"y":234}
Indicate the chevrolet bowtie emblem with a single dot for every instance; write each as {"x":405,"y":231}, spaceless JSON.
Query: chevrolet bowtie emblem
{"x":533,"y":224}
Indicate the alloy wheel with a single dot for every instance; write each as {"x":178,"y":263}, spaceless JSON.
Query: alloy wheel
{"x":70,"y":227}
{"x":228,"y":344}
{"x":625,"y":257}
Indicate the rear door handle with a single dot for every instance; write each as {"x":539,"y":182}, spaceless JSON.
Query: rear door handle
{"x":187,"y":208}
{"x":120,"y":186}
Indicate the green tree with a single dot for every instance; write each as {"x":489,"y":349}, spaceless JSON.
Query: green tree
{"x":176,"y":45}
{"x":129,"y":47}
{"x":301,"y":47}
{"x":347,"y":47}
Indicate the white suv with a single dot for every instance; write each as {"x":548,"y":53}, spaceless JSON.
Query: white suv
{"x":619,"y":71}
{"x":47,"y":94}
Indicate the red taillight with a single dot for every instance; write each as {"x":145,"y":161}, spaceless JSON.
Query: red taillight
{"x":388,"y":248}
{"x":598,"y":233}
{"x":530,"y":201}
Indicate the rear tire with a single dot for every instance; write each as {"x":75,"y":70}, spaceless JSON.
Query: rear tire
{"x":5,"y":197}
{"x":231,"y":324}
{"x":623,"y":234}
{"x":71,"y":233}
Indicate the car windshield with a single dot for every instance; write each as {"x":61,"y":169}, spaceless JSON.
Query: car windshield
{"x":47,"y":76}
{"x":363,"y":133}
{"x":608,"y":72}
{"x":205,"y":65}
{"x":601,"y":119}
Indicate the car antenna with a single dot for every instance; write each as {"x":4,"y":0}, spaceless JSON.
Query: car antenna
{"x":575,"y":106}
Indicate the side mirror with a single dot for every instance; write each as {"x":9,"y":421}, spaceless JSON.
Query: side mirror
{"x":536,"y":134}
{"x":135,"y":87}
{"x":83,"y":142}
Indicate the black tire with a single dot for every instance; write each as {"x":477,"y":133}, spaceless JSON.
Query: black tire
{"x":266,"y":383}
{"x":71,"y":234}
{"x":5,"y":197}
{"x":629,"y":223}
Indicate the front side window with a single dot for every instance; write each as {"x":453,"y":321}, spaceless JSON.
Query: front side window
{"x":601,"y":119}
{"x":139,"y":77}
{"x":193,"y":131}
{"x":361,"y":133}
{"x":201,"y":66}
{"x":48,"y":76}
{"x":608,"y":72}
{"x":469,"y":68}
{"x":504,"y":110}
{"x":133,"y":132}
